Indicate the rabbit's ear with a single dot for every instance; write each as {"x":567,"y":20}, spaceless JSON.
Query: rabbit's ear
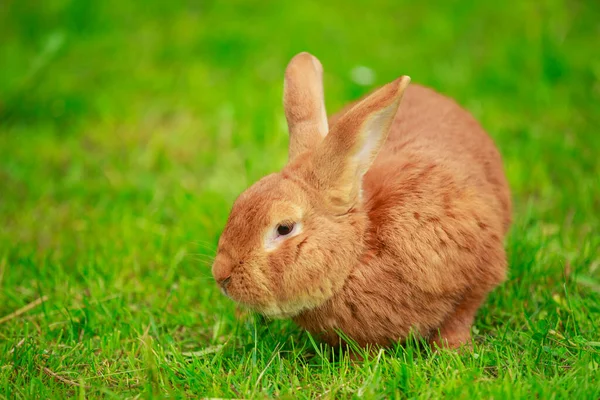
{"x":304,"y":103}
{"x":346,"y":154}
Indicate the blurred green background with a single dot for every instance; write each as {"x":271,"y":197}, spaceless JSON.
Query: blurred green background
{"x":128,"y":128}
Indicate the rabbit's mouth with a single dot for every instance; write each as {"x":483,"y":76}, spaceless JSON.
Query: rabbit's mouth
{"x":224,"y":292}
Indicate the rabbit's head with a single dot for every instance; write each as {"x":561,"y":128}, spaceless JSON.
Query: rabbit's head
{"x":293,"y":237}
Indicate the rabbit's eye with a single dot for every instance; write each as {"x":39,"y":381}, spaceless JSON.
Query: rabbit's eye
{"x":285,"y":229}
{"x":280,"y":233}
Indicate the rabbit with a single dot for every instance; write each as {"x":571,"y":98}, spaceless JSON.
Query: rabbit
{"x":386,"y":220}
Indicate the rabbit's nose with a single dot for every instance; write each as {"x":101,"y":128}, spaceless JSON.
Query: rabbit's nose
{"x":221,"y":272}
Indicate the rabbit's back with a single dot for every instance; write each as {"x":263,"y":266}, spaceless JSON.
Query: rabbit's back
{"x":433,"y":129}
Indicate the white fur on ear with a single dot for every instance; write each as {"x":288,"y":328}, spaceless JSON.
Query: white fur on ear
{"x":373,"y":133}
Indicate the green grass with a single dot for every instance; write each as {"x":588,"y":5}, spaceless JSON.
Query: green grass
{"x":127,"y":131}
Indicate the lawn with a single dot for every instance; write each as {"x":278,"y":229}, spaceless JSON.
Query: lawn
{"x":126,"y":132}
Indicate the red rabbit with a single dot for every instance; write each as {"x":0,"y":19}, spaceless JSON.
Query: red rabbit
{"x":385,"y":220}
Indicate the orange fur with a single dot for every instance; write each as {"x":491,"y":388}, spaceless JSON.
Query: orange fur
{"x":400,"y":218}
